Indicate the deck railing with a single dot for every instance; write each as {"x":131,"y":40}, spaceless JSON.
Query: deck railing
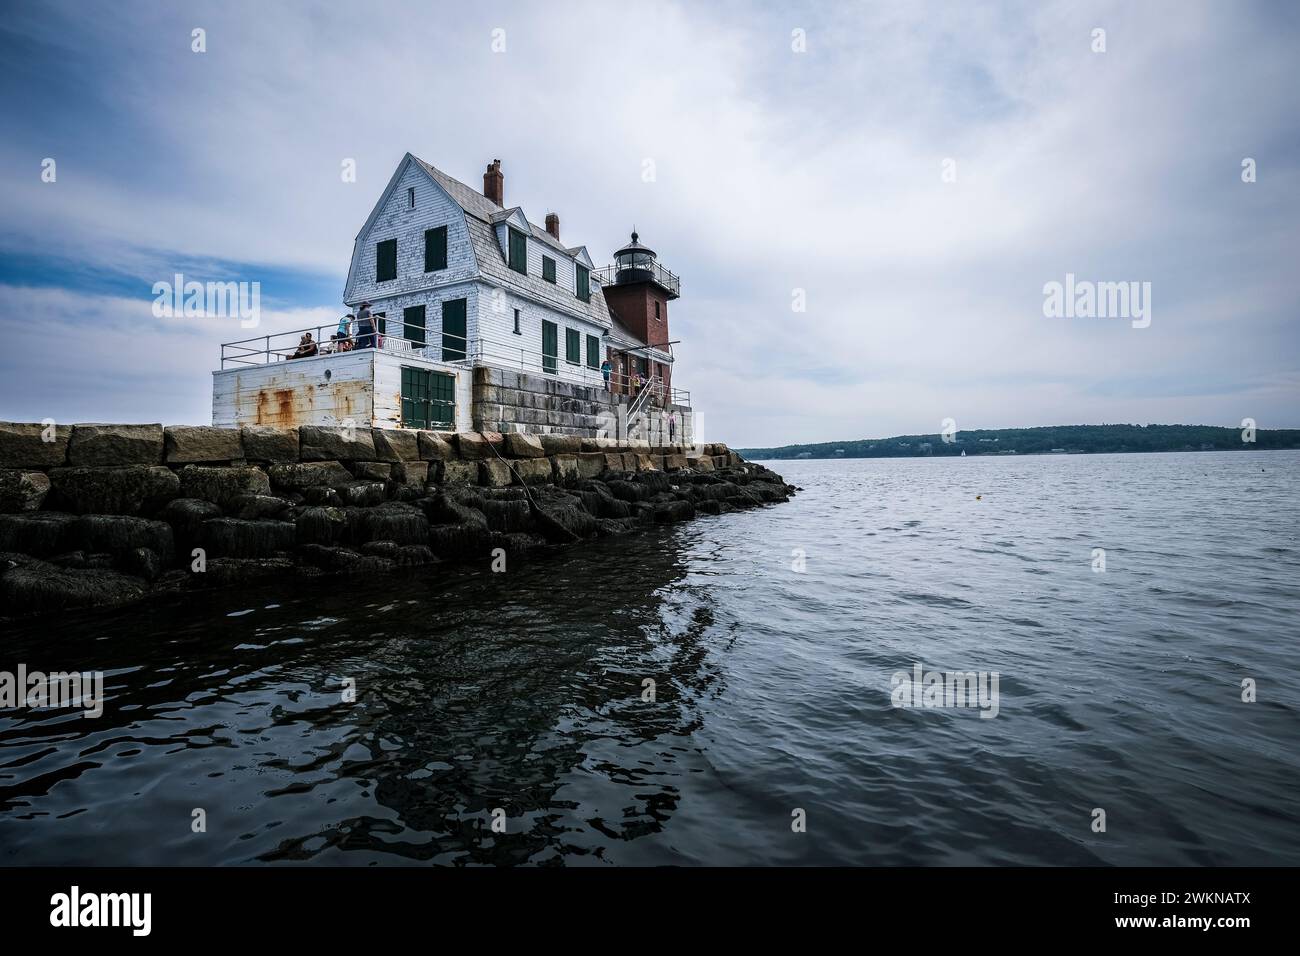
{"x":609,"y":275}
{"x":446,"y":347}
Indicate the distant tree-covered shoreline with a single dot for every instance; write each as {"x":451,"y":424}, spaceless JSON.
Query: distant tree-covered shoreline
{"x":1051,"y":439}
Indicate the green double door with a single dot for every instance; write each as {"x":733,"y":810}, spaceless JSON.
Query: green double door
{"x":428,"y":398}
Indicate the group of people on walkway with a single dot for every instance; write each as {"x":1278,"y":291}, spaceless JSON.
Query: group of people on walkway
{"x":636,"y":381}
{"x":344,"y":340}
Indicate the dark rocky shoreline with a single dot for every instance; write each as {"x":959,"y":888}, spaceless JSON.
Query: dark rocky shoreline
{"x":103,"y":515}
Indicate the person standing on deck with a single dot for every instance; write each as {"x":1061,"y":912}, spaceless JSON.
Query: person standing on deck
{"x":365,"y":327}
{"x":605,"y":370}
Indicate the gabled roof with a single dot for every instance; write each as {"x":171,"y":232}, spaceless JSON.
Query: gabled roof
{"x":481,"y":217}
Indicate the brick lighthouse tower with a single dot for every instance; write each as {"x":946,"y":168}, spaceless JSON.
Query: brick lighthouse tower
{"x":638,"y":289}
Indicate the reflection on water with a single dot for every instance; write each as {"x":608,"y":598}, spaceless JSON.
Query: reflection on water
{"x":473,"y":692}
{"x":522,"y":692}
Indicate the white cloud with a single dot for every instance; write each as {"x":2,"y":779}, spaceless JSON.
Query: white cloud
{"x":775,"y":170}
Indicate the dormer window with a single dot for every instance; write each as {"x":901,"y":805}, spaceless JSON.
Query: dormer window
{"x":518,"y":251}
{"x":583,"y":288}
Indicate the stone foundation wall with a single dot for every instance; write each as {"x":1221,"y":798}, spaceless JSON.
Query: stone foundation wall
{"x":505,"y":401}
{"x":99,"y":514}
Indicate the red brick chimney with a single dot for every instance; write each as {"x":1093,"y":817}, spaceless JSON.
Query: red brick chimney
{"x":494,"y":183}
{"x":553,"y":225}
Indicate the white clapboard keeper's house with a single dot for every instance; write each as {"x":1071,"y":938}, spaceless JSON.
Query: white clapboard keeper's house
{"x":485,"y":321}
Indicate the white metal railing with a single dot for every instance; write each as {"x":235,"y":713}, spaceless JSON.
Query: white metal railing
{"x":450,"y":348}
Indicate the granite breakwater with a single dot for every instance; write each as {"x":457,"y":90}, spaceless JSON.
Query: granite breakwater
{"x":101,"y":514}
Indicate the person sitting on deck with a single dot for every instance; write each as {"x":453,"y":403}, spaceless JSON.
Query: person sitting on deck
{"x":306,"y":347}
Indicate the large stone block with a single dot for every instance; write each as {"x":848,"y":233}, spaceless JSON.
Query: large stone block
{"x":94,"y":445}
{"x":373,"y":470}
{"x":321,"y":525}
{"x":296,"y":477}
{"x":123,"y":490}
{"x":519,"y":445}
{"x":396,"y":444}
{"x":564,"y":469}
{"x":703,"y":463}
{"x":222,"y":486}
{"x":201,"y":443}
{"x":22,"y":490}
{"x":118,"y":534}
{"x":269,"y":443}
{"x":435,"y":447}
{"x":477,"y":446}
{"x":234,"y":538}
{"x":495,"y":474}
{"x":363,"y":493}
{"x":561,"y":444}
{"x":39,"y":534}
{"x":413,"y":474}
{"x":400,"y":523}
{"x":24,"y":445}
{"x":335,"y":443}
{"x":459,"y":473}
{"x":674,"y":462}
{"x":533,"y":471}
{"x":41,"y":588}
{"x":591,"y":464}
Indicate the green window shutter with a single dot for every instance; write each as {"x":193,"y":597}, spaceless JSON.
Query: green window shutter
{"x":573,"y":346}
{"x":454,"y":330}
{"x":386,"y":260}
{"x":548,"y":268}
{"x":435,"y":249}
{"x":593,"y":351}
{"x":518,"y":251}
{"x":584,"y":283}
{"x":413,"y":325}
{"x":550,"y":347}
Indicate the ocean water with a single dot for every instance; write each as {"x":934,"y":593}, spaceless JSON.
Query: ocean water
{"x":772,"y":737}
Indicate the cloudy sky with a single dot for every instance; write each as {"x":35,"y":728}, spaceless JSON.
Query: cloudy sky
{"x":776,"y":169}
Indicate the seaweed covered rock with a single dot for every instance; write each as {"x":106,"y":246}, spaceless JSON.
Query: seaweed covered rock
{"x":40,"y":587}
{"x":22,"y":490}
{"x":39,"y":533}
{"x":235,"y":538}
{"x":122,"y":490}
{"x":304,"y":475}
{"x":119,"y":534}
{"x":223,"y":486}
{"x":186,"y":517}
